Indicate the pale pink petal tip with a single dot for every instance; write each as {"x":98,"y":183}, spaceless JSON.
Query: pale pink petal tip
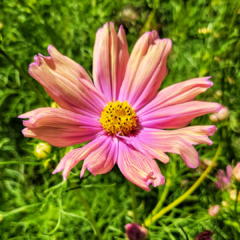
{"x":50,"y":47}
{"x":23,"y":132}
{"x":210,"y":83}
{"x":36,"y":60}
{"x":208,"y":77}
{"x":212,"y":129}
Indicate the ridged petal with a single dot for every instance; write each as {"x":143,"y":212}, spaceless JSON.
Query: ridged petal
{"x":109,"y":60}
{"x":60,"y":127}
{"x":179,"y":141}
{"x":65,"y":81}
{"x":146,"y":70}
{"x":150,"y":149}
{"x":71,"y":159}
{"x":177,"y":93}
{"x":177,"y":116}
{"x":102,"y":159}
{"x":138,"y":168}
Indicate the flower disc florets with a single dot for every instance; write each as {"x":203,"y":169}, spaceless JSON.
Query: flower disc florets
{"x":118,"y":117}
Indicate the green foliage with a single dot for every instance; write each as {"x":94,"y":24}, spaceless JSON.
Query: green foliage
{"x":34,"y":204}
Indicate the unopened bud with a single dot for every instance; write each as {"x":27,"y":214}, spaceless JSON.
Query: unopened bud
{"x":184,"y":183}
{"x":223,"y":180}
{"x":205,"y":163}
{"x":230,"y":80}
{"x":213,"y":118}
{"x":236,"y":172}
{"x":135,"y":231}
{"x":204,"y":30}
{"x":218,"y":94}
{"x":42,"y":150}
{"x":223,"y":114}
{"x":130,"y":213}
{"x":206,"y":235}
{"x":233,"y":195}
{"x":214,"y":210}
{"x":225,"y":203}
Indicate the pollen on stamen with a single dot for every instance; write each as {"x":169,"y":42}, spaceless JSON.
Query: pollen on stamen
{"x":118,"y":117}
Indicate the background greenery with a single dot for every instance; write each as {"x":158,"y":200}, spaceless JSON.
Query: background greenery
{"x":34,"y":204}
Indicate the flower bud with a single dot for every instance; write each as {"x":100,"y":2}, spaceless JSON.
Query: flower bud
{"x":218,"y":94}
{"x":214,"y":210}
{"x":223,"y":114}
{"x":236,"y":172}
{"x":205,"y":163}
{"x":206,"y":235}
{"x":135,"y":231}
{"x":224,"y":178}
{"x":225,"y":203}
{"x":233,"y":195}
{"x":213,"y":118}
{"x":42,"y":149}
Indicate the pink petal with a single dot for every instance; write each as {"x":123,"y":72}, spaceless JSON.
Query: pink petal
{"x":179,"y":141}
{"x":60,"y":127}
{"x":177,"y":116}
{"x":123,"y":57}
{"x":138,"y":168}
{"x":103,"y":158}
{"x":151,"y":150}
{"x":71,"y":159}
{"x":177,"y":93}
{"x":109,"y":60}
{"x":145,"y":70}
{"x":64,"y":80}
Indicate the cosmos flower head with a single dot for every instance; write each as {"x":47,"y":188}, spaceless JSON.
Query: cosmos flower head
{"x":120,"y":112}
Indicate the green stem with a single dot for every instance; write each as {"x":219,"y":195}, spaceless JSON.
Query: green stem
{"x":134,"y":201}
{"x":18,"y":210}
{"x":235,"y":235}
{"x":162,"y":199}
{"x":18,"y":162}
{"x":90,"y":216}
{"x":233,"y":19}
{"x":235,"y":207}
{"x":148,"y":222}
{"x":31,"y":85}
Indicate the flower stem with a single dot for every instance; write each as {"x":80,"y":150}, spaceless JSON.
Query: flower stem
{"x":30,"y":84}
{"x":148,"y":222}
{"x":233,"y":18}
{"x":134,"y":201}
{"x":163,"y":197}
{"x":90,"y":216}
{"x":235,"y":207}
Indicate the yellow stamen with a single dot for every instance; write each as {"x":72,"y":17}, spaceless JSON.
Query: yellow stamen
{"x":118,"y":117}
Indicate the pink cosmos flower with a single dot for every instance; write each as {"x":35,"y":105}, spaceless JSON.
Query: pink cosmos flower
{"x":224,"y":178}
{"x":121,"y":112}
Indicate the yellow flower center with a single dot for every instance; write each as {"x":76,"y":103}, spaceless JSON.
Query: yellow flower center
{"x":118,"y":117}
